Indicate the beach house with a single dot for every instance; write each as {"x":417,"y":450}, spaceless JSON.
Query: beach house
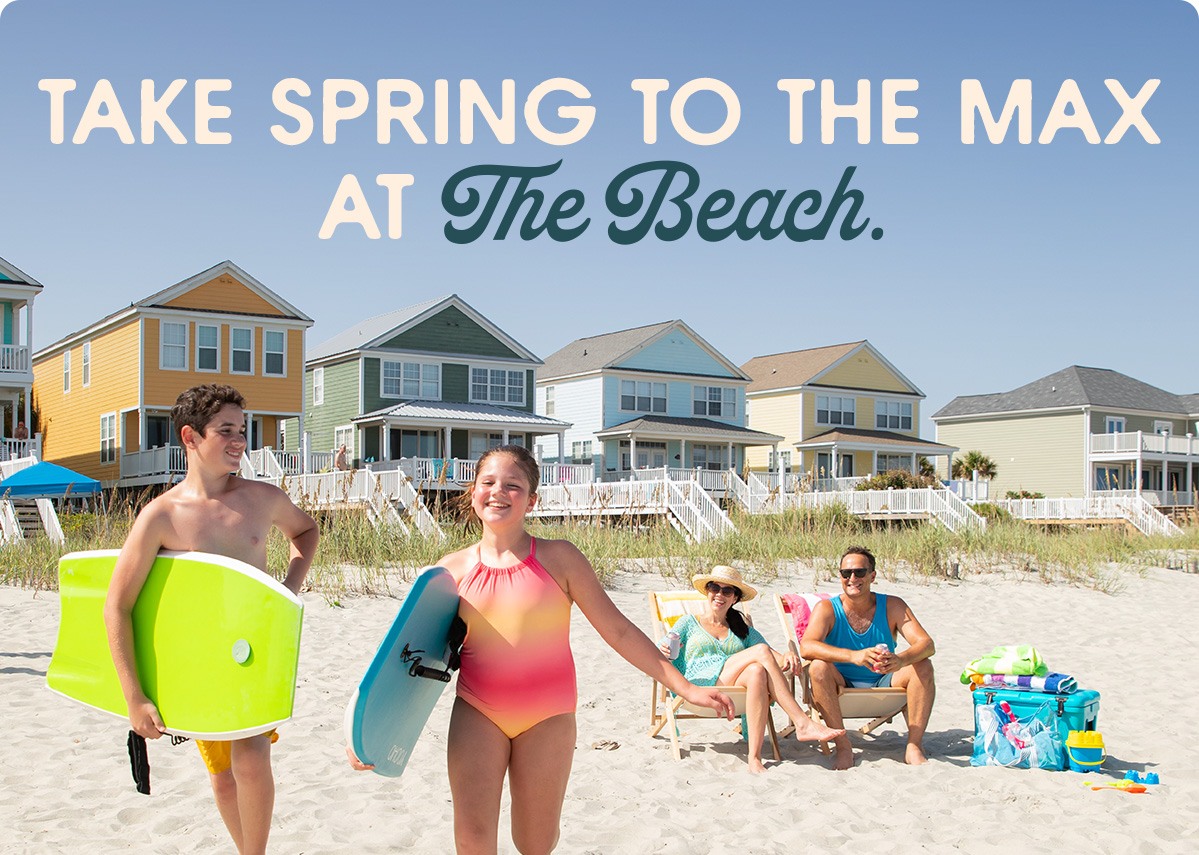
{"x":17,"y":294}
{"x":106,"y":391}
{"x":844,"y":412}
{"x":1081,"y":431}
{"x":427,"y":388}
{"x":654,"y":397}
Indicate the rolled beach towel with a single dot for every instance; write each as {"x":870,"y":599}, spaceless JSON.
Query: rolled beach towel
{"x":1017,"y":659}
{"x":1052,"y":683}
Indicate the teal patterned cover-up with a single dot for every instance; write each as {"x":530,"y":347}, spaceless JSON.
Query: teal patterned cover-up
{"x":701,"y":657}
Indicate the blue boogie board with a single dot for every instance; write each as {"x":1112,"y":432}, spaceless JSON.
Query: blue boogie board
{"x":404,"y":680}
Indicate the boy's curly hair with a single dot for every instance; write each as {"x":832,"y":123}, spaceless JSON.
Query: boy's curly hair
{"x":198,"y":405}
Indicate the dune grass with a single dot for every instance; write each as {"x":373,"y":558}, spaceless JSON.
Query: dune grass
{"x":356,"y":557}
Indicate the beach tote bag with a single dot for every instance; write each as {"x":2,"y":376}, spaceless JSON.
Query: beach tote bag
{"x":1000,"y":739}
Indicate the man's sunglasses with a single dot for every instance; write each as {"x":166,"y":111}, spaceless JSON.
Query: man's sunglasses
{"x":860,"y":572}
{"x":713,"y":588}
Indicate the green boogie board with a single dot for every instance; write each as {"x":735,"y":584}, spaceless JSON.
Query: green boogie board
{"x":217,"y":643}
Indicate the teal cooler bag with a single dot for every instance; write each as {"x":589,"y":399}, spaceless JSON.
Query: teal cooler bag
{"x":1038,"y":735}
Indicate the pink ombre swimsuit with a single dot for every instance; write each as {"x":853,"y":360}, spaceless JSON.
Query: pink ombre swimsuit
{"x":517,"y":668}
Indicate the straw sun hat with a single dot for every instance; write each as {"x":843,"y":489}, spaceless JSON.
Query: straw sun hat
{"x":725,"y":576}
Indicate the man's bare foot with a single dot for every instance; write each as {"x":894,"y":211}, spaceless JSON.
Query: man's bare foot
{"x":755,"y":766}
{"x":914,"y":756}
{"x":807,"y":730}
{"x":843,"y":759}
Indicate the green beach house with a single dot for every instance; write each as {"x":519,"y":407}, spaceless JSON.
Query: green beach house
{"x":427,"y":389}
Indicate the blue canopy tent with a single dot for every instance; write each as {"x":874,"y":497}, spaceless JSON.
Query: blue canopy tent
{"x":48,"y":481}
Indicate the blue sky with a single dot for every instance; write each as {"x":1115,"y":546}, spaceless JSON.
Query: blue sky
{"x":999,"y":263}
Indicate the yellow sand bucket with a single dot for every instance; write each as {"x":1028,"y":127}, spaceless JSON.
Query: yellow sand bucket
{"x":1085,"y":751}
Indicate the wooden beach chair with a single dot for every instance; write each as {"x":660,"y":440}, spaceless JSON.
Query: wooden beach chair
{"x":666,"y":709}
{"x":880,"y":705}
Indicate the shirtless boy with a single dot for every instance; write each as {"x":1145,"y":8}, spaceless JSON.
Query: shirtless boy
{"x":211,"y":510}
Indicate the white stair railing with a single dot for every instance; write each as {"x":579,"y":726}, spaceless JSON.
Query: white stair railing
{"x":10,"y":528}
{"x":45,"y":509}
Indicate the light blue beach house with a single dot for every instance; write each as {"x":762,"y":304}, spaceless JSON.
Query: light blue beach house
{"x":657,"y":397}
{"x":17,"y":294}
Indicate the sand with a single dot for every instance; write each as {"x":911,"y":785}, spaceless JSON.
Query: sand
{"x":65,"y":783}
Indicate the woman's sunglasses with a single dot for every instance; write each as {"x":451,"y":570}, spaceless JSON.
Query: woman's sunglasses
{"x":860,"y":572}
{"x":713,"y":588}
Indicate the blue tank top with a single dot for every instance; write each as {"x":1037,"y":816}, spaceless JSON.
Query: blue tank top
{"x":843,"y":635}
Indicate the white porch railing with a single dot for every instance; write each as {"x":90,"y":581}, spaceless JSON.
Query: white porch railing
{"x":691,"y":508}
{"x":940,"y":505}
{"x":361,"y":486}
{"x":15,"y":449}
{"x":970,"y":490}
{"x":836,"y":485}
{"x":167,"y":460}
{"x":1135,"y":509}
{"x":567,"y":473}
{"x":1133,"y":442}
{"x":1154,"y":497}
{"x":14,"y":359}
{"x":264,"y":463}
{"x":321,"y":460}
{"x":16,"y":464}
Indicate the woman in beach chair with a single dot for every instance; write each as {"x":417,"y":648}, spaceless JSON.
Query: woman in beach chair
{"x":719,"y":647}
{"x":515,"y":711}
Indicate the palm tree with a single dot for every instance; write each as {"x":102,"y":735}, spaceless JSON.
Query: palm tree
{"x":965,"y":466}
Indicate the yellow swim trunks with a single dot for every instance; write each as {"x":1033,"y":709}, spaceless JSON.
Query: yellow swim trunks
{"x":216,"y":754}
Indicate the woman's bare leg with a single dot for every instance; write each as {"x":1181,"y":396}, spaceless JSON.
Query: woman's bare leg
{"x":537,"y":776}
{"x":757,"y":707}
{"x":477,"y":755}
{"x":761,"y":654}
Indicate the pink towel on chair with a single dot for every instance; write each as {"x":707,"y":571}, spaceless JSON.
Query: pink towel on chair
{"x":800,"y":606}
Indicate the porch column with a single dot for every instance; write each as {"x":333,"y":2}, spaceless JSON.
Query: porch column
{"x":1138,"y":475}
{"x":915,"y":470}
{"x":561,"y":446}
{"x":874,"y":462}
{"x":29,"y":344}
{"x":446,"y":451}
{"x":141,"y":429}
{"x":835,"y":464}
{"x":682,"y":453}
{"x":1190,"y":469}
{"x":731,"y":462}
{"x":778,"y":463}
{"x":632,"y":452}
{"x":505,"y":437}
{"x":385,"y":445}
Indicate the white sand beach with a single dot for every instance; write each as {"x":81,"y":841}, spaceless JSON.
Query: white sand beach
{"x":65,"y":783}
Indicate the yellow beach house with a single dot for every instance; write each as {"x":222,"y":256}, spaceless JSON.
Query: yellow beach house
{"x":106,"y":391}
{"x":845,"y":413}
{"x":17,"y":293}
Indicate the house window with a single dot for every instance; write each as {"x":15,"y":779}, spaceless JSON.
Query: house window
{"x":1164,"y":428}
{"x":580,"y":452}
{"x":716,"y":401}
{"x":344,"y":435}
{"x":273,"y":342}
{"x":208,"y":342}
{"x":87,"y":364}
{"x":893,"y":415}
{"x":892,"y":462}
{"x":834,"y":411}
{"x":497,"y":385}
{"x":108,"y":437}
{"x":318,"y":386}
{"x":710,"y":456}
{"x":824,"y":465}
{"x":549,"y":401}
{"x":66,"y":371}
{"x":482,"y":442}
{"x":637,"y":396}
{"x":241,"y":350}
{"x":174,"y":346}
{"x":416,"y":443}
{"x":411,"y":380}
{"x":781,"y":460}
{"x":650,"y":455}
{"x":1114,"y":424}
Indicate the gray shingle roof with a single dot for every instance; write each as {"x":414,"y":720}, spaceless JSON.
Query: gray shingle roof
{"x":448,"y":411}
{"x":364,"y":332}
{"x":872,"y":437}
{"x":1075,"y":386}
{"x":1191,"y":402}
{"x":687,"y":427}
{"x":596,"y":352}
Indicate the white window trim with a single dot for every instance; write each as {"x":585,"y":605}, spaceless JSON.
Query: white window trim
{"x":478,"y":366}
{"x":116,"y":437}
{"x":162,"y":344}
{"x":899,"y":401}
{"x":1121,"y":422}
{"x":249,"y":373}
{"x":551,"y":400}
{"x":318,"y":386}
{"x":707,"y":401}
{"x":829,"y":422}
{"x":266,"y":330}
{"x":650,"y":411}
{"x":1159,"y":424}
{"x":66,"y":371}
{"x":85,"y":370}
{"x":216,"y":370}
{"x":421,"y":363}
{"x":349,"y":445}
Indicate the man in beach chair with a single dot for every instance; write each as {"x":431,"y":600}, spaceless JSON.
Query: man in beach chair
{"x":850,"y":642}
